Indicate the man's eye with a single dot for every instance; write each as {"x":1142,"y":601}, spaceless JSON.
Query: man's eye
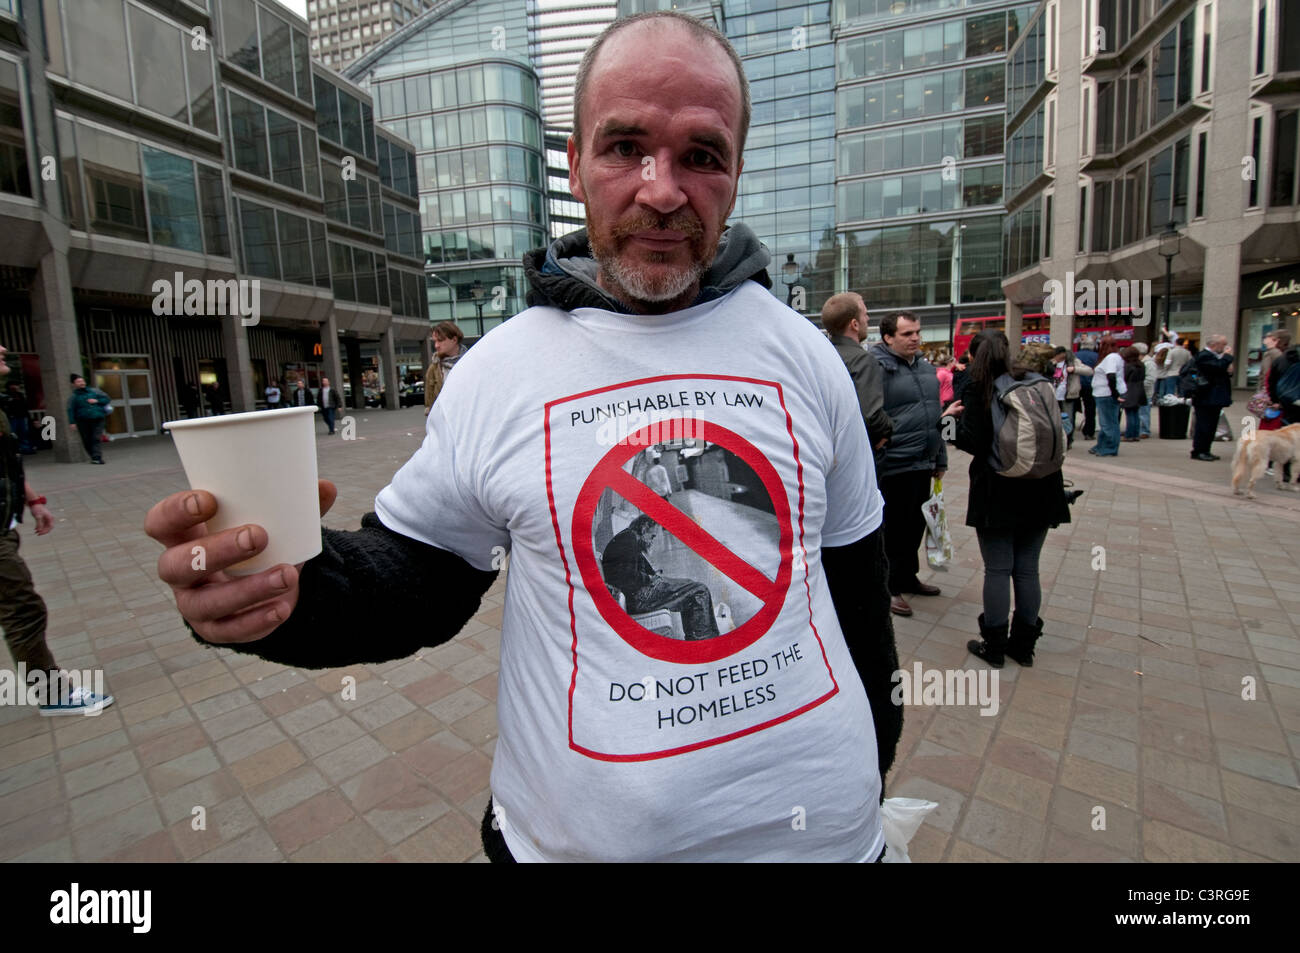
{"x":625,"y":149}
{"x":702,"y":158}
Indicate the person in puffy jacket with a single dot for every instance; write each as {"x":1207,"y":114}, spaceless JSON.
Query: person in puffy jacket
{"x":87,"y":410}
{"x":914,"y":455}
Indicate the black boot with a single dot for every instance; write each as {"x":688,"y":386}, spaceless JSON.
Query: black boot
{"x":993,"y":646}
{"x":1023,"y":637}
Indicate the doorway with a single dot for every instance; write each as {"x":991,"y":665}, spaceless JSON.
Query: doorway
{"x":128,"y":381}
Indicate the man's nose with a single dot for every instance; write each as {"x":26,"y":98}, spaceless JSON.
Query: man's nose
{"x":660,"y":184}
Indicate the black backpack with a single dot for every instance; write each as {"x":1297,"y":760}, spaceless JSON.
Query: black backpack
{"x":1288,"y":385}
{"x":1191,"y":382}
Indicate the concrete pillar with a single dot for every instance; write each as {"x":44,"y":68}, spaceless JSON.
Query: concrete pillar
{"x":331,"y":359}
{"x":392,"y":382}
{"x":54,"y":322}
{"x":1219,"y":299}
{"x":355,"y":371}
{"x":426,"y":352}
{"x":239,"y":364}
{"x":1015,"y":320}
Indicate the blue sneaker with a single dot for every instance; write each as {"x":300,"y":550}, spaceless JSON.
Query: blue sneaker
{"x":82,"y":701}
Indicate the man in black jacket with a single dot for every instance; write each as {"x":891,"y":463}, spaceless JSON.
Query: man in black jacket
{"x":1214,"y":362}
{"x":915,"y":455}
{"x":653,"y":283}
{"x":844,"y":316}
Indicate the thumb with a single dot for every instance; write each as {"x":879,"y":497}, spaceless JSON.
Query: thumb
{"x":328,"y":494}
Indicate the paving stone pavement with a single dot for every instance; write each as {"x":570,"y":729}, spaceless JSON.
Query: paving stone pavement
{"x":1134,"y":705}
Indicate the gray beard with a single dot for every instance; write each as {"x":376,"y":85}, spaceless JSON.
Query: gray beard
{"x":639,"y":285}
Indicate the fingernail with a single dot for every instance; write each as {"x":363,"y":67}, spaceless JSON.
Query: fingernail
{"x":192,"y":504}
{"x":274,"y":616}
{"x":245,"y":538}
{"x":277,"y":580}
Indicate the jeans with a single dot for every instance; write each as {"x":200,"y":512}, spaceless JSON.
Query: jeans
{"x":1166,"y":385}
{"x":328,"y":414}
{"x":90,"y":431}
{"x":904,"y":495}
{"x":1132,"y":423}
{"x":1011,"y":559}
{"x":1144,"y":415}
{"x":1108,"y":424}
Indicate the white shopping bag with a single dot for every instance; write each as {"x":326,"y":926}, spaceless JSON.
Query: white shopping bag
{"x":901,"y":816}
{"x":938,"y":541}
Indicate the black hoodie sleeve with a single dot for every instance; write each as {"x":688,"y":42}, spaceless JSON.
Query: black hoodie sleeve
{"x":857,"y":576}
{"x":372,"y":595}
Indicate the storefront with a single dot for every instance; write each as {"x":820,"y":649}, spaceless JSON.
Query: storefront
{"x":1270,"y":301}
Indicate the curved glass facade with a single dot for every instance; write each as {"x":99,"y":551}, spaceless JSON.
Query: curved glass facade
{"x":472,"y":109}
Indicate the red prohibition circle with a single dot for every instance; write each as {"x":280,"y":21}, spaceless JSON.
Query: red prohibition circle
{"x":609,"y":473}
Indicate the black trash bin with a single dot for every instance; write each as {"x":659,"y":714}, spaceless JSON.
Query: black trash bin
{"x":1173,"y":421}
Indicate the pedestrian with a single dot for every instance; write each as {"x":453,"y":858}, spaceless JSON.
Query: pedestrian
{"x":1134,"y":393}
{"x":1108,"y":389}
{"x":1010,"y":515}
{"x":300,"y":396}
{"x":1214,"y":364}
{"x":1073,"y":373}
{"x":845,"y":318}
{"x":1088,"y":356}
{"x":960,"y":373}
{"x":1177,"y":357}
{"x":191,"y":400}
{"x":88,"y":408}
{"x":17,"y":410}
{"x":329,"y":402}
{"x":915,"y":455}
{"x":447,"y":350}
{"x":272,"y":395}
{"x":1288,"y":411}
{"x":1150,"y":375}
{"x":1276,"y":343}
{"x":22,"y":610}
{"x":215,"y":403}
{"x":943,"y":371}
{"x":654,"y":300}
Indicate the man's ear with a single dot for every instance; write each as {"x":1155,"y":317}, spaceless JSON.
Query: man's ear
{"x":575,"y":180}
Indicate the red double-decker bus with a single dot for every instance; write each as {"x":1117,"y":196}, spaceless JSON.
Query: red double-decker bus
{"x":1116,"y":322}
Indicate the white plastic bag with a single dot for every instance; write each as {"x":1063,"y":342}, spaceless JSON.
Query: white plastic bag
{"x":901,"y":817}
{"x":938,"y":541}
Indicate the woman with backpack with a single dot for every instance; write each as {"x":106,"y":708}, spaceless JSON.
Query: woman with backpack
{"x":1010,"y":515}
{"x":1135,"y":397}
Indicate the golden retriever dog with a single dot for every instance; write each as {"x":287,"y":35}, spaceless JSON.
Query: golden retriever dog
{"x":1266,"y":447}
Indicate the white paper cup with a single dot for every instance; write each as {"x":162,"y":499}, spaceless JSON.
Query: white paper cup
{"x":261,"y":467}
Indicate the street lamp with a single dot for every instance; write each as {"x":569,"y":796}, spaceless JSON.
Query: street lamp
{"x":477,"y":291}
{"x":954,"y":288}
{"x":790,"y":273}
{"x":1170,"y":240}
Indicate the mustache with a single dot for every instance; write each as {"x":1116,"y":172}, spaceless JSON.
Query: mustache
{"x":683,"y":221}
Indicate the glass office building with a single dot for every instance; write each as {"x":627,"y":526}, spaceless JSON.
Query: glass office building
{"x":187,"y":149}
{"x":459,"y":85}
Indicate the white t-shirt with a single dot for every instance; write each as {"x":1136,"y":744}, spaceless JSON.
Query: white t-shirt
{"x":619,"y":738}
{"x":1112,"y":363}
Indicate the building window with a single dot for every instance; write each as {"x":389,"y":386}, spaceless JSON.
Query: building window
{"x":1283,"y":177}
{"x":15,"y":172}
{"x":1256,"y":149}
{"x":173,"y":201}
{"x":1261,"y":35}
{"x":248,"y":136}
{"x":114,"y":185}
{"x":1082,"y":239}
{"x":1288,"y":35}
{"x":1199,"y":209}
{"x":257,"y":229}
{"x":1207,"y":46}
{"x":212,"y":195}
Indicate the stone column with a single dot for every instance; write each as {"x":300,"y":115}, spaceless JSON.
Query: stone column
{"x":1015,"y":319}
{"x":392,"y":382}
{"x":239,"y":363}
{"x":54,"y":322}
{"x":331,"y":360}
